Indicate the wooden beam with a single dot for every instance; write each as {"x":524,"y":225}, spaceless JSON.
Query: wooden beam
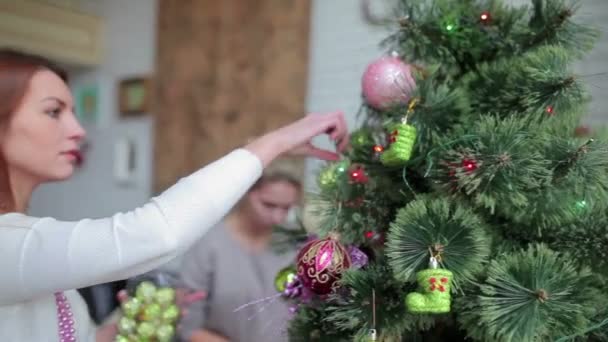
{"x":226,"y":71}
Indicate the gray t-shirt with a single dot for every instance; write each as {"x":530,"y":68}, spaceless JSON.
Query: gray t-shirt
{"x":233,"y":276}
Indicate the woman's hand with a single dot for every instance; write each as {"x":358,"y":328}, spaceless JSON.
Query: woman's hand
{"x":106,"y":333}
{"x":207,"y":336}
{"x":296,"y":137}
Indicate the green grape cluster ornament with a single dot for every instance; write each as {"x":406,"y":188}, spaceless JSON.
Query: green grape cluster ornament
{"x":151,"y":315}
{"x":435,"y":285}
{"x":402,"y":137}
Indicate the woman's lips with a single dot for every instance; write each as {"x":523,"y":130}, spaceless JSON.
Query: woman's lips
{"x":75,"y":154}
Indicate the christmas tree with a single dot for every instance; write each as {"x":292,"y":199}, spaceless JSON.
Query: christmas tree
{"x":467,"y":207}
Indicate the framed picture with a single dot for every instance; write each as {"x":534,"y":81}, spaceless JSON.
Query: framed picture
{"x":134,"y":96}
{"x":87,"y":103}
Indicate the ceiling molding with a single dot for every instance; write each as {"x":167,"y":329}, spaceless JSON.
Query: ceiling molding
{"x":56,"y":32}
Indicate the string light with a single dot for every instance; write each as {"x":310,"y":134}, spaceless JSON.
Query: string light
{"x":485,"y":17}
{"x":357,"y":175}
{"x":469,"y":165}
{"x":582,"y":204}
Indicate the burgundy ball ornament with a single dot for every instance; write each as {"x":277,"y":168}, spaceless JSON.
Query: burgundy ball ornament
{"x":387,"y":82}
{"x":321,"y":263}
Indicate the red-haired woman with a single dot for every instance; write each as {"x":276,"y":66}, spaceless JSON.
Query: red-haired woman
{"x":44,"y":259}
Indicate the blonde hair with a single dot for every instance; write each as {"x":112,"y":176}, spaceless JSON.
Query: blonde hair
{"x":281,"y":170}
{"x":290,"y":170}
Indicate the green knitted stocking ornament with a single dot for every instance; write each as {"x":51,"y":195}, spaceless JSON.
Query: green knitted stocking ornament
{"x":435,"y":284}
{"x":402,"y":140}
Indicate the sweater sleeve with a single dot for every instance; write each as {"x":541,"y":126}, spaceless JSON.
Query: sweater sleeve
{"x":44,"y":255}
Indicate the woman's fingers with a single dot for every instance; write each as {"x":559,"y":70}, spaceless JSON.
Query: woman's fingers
{"x":295,"y":138}
{"x":122,"y":296}
{"x":344,"y":137}
{"x":334,"y":125}
{"x":337,"y":130}
{"x":319,"y":153}
{"x":195,"y":296}
{"x":185,"y":297}
{"x":308,"y":150}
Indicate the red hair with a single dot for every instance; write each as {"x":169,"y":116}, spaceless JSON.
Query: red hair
{"x":16,"y":72}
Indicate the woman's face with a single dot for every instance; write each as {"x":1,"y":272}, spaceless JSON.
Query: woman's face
{"x":270,"y":202}
{"x":41,"y":139}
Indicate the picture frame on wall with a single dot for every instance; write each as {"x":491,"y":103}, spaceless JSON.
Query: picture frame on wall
{"x":87,"y":103}
{"x":134,"y":96}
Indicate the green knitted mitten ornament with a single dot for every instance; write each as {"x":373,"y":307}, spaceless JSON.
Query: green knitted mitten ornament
{"x":402,"y":138}
{"x":435,"y":287}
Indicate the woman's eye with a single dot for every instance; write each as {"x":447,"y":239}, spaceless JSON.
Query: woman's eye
{"x":54,"y":112}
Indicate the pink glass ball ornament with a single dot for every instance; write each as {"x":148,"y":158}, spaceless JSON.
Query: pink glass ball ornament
{"x":387,"y":82}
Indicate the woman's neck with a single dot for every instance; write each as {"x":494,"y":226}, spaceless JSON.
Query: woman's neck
{"x":22,"y":188}
{"x":252,"y":237}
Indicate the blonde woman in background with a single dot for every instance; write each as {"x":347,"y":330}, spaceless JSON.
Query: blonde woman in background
{"x":235,"y":264}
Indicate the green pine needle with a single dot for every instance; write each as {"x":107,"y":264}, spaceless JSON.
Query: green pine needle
{"x":552,"y":24}
{"x":539,"y":84}
{"x":507,"y":164}
{"x":354,"y":311}
{"x":309,"y":325}
{"x":532,"y":295}
{"x":441,"y":107}
{"x":427,"y":225}
{"x":579,"y":186}
{"x":586,"y":239}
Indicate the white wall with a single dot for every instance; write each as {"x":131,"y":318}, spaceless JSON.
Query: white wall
{"x":342,"y":44}
{"x":130,"y":44}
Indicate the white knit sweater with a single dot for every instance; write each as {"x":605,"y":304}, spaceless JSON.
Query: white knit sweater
{"x":41,"y":256}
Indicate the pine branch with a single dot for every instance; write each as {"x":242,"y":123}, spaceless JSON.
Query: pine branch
{"x":353,"y":210}
{"x":547,"y":26}
{"x":586,"y":163}
{"x":309,"y":325}
{"x":602,"y":325}
{"x":442,"y":227}
{"x":586,"y":239}
{"x":552,"y":24}
{"x":497,"y":165}
{"x":533,"y":295}
{"x":355,"y":309}
{"x":537,"y":85}
{"x":579,"y":186}
{"x":441,"y":107}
